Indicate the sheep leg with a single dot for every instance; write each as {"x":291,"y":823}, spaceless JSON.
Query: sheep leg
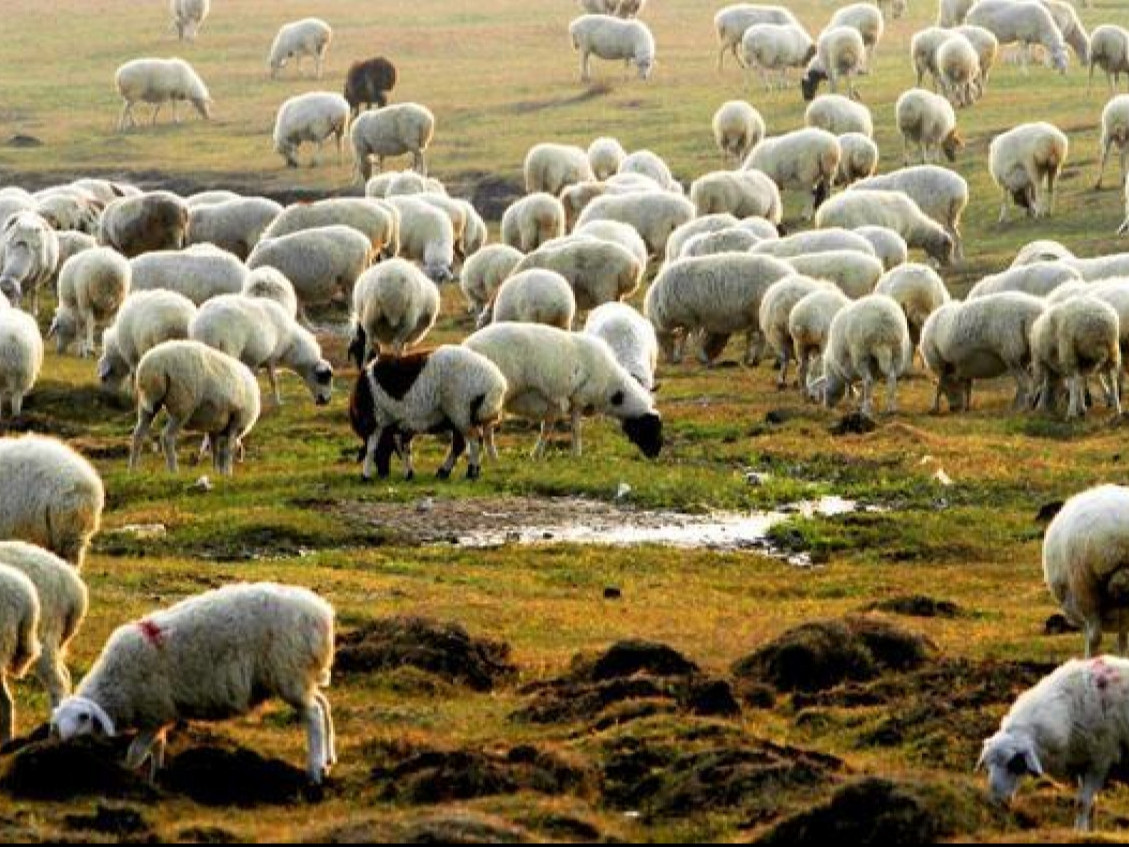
{"x":17,"y":404}
{"x":7,"y":710}
{"x":176,"y":111}
{"x":891,"y":393}
{"x":1050,"y":208}
{"x":330,"y":732}
{"x":1090,"y":84}
{"x":1025,"y":57}
{"x":156,"y":111}
{"x":48,"y":670}
{"x":272,"y":376}
{"x":754,"y":347}
{"x":1076,"y":408}
{"x":140,"y":435}
{"x":140,"y":749}
{"x":585,"y":66}
{"x":474,"y":456}
{"x":127,"y":112}
{"x":867,"y":405}
{"x":782,"y":378}
{"x":1003,"y":208}
{"x":1089,"y":786}
{"x":543,"y":438}
{"x":1092,"y":629}
{"x":370,"y":455}
{"x":88,"y":350}
{"x":575,"y":425}
{"x":168,"y":443}
{"x":491,"y":447}
{"x":317,"y":765}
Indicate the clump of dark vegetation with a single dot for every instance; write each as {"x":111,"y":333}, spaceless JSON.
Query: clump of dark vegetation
{"x":224,"y":774}
{"x":917,"y":606}
{"x":85,"y":767}
{"x":854,"y":423}
{"x":124,"y":824}
{"x":439,"y":826}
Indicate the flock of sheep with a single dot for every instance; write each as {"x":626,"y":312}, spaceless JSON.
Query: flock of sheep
{"x":195,"y":295}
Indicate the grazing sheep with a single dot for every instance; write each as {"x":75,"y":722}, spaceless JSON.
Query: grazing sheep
{"x":307,"y":37}
{"x":868,"y":20}
{"x":160,"y":81}
{"x":918,"y":290}
{"x":958,"y":69}
{"x":653,"y":214}
{"x":21,"y":357}
{"x":553,"y":167}
{"x":952,"y":13}
{"x":737,"y":129}
{"x":378,"y":221}
{"x":1025,"y":22}
{"x":476,"y":233}
{"x":367,"y":84}
{"x":213,"y":656}
{"x":854,"y":273}
{"x":840,"y":54}
{"x":145,"y":319}
{"x":987,"y":47}
{"x":859,"y":159}
{"x":427,"y":236}
{"x":838,"y":114}
{"x":599,"y":271}
{"x":394,"y":307}
{"x":618,"y":233}
{"x":72,"y":243}
{"x":719,"y":295}
{"x":1068,"y":23}
{"x":605,"y":155}
{"x":92,"y":287}
{"x":775,"y":47}
{"x":1039,"y":279}
{"x":701,"y":225}
{"x":608,"y":37}
{"x":392,"y":131}
{"x":270,"y":284}
{"x":815,"y":241}
{"x":898,"y":8}
{"x":52,"y":496}
{"x":29,"y":257}
{"x":940,"y":193}
{"x":203,"y":390}
{"x":889,"y":247}
{"x":1019,"y":161}
{"x":19,"y":639}
{"x":484,"y":272}
{"x":451,"y":388}
{"x":188,"y":16}
{"x":651,"y":165}
{"x":743,"y":194}
{"x":535,"y":296}
{"x":809,"y":324}
{"x":892,"y":209}
{"x":531,"y":221}
{"x":65,"y":209}
{"x":1101,"y":267}
{"x":775,"y":310}
{"x":1115,"y":132}
{"x":732,"y":240}
{"x":1069,"y":341}
{"x":156,"y":220}
{"x":927,"y":120}
{"x":803,"y":160}
{"x":631,"y":338}
{"x":551,"y":373}
{"x":210,"y":198}
{"x":732,"y":22}
{"x":923,"y":52}
{"x":199,"y":273}
{"x":1040,"y":251}
{"x":311,"y":117}
{"x":13,"y":200}
{"x":232,"y":225}
{"x":1109,"y":50}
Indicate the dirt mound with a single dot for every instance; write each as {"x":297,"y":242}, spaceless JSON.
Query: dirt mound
{"x":821,"y":655}
{"x":85,"y":767}
{"x":854,"y":423}
{"x":229,"y":775}
{"x":442,"y":826}
{"x":628,"y":658}
{"x":23,"y":142}
{"x":492,"y":194}
{"x":917,"y":606}
{"x":124,"y":823}
{"x":208,"y":835}
{"x":442,"y":648}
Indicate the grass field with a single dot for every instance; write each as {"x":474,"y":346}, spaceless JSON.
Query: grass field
{"x":500,"y":75}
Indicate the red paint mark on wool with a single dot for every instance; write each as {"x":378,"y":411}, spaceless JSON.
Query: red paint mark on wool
{"x":152,"y":633}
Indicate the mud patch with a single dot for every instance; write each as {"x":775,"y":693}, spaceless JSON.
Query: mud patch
{"x":23,"y":142}
{"x":85,"y":767}
{"x":492,"y":195}
{"x":123,"y":823}
{"x":445,"y":649}
{"x":917,"y":606}
{"x":229,"y":775}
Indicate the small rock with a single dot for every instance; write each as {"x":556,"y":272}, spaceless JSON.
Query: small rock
{"x":942,"y":478}
{"x":622,"y":492}
{"x":425,"y":505}
{"x":612,"y":593}
{"x":203,"y":485}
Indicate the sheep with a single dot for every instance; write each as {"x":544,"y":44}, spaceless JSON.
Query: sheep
{"x":868,"y":339}
{"x":13,"y":200}
{"x":1124,"y":228}
{"x":694,"y":227}
{"x":378,"y":221}
{"x":199,"y":273}
{"x":307,"y":37}
{"x":29,"y":257}
{"x":19,"y":639}
{"x":92,"y":287}
{"x":981,"y":338}
{"x":72,"y":243}
{"x":201,"y":389}
{"x":775,"y":310}
{"x":21,"y":357}
{"x":553,"y":167}
{"x":619,"y":8}
{"x":476,"y":233}
{"x":533,"y":296}
{"x":745,"y":193}
{"x":312,"y":117}
{"x":319,"y":262}
{"x":732,"y":22}
{"x":156,"y":220}
{"x":650,"y":165}
{"x":531,"y":221}
{"x":605,"y":156}
{"x":923,"y":52}
{"x":52,"y":496}
{"x":145,"y":319}
{"x":719,"y":295}
{"x":809,"y":323}
{"x":892,"y":209}
{"x":270,"y":284}
{"x":987,"y":47}
{"x":618,"y":233}
{"x":188,"y":16}
{"x":898,"y":8}
{"x":450,"y":388}
{"x":551,"y":373}
{"x":927,"y":120}
{"x":65,"y":210}
{"x":367,"y":84}
{"x":918,"y":290}
{"x":815,"y":241}
{"x":775,"y":47}
{"x":940,"y":193}
{"x":392,"y":131}
{"x":854,"y":273}
{"x":1039,"y":279}
{"x":426,"y":236}
{"x":599,"y":271}
{"x":1101,"y":267}
{"x":1040,"y":251}
{"x":1025,"y":22}
{"x":384,"y":185}
{"x":233,"y":225}
{"x":1115,"y":131}
{"x":210,"y":198}
{"x":631,"y":338}
{"x":859,"y":158}
{"x":160,"y":81}
{"x":484,"y":272}
{"x":804,"y":160}
{"x":737,"y":129}
{"x":394,"y":307}
{"x":653,"y":214}
{"x":1021,"y":158}
{"x":867,"y":19}
{"x":1109,"y":50}
{"x":732,"y":240}
{"x":958,"y":68}
{"x":1073,"y":33}
{"x":889,"y":247}
{"x":1070,"y":341}
{"x":63,"y":603}
{"x":608,"y":37}
{"x":838,"y":115}
{"x":840,"y":53}
{"x":213,"y":656}
{"x":953,"y":12}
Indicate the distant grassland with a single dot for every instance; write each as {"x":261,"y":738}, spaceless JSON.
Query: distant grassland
{"x":500,"y":75}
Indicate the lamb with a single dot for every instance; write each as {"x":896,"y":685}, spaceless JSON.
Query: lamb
{"x":188,"y":17}
{"x":987,"y":47}
{"x":859,"y":159}
{"x":631,"y":338}
{"x":307,"y":37}
{"x":1070,"y":341}
{"x":953,"y":12}
{"x":804,"y":160}
{"x":890,"y":248}
{"x":958,"y":67}
{"x":92,"y":287}
{"x":719,"y":295}
{"x":599,"y":271}
{"x":378,"y":221}
{"x":213,"y":656}
{"x":701,"y":225}
{"x":156,"y":220}
{"x":653,"y":214}
{"x":815,"y":241}
{"x":160,"y":81}
{"x":746,"y":193}
{"x":449,"y":388}
{"x":980,"y":339}
{"x":1039,"y":279}
{"x":618,"y":233}
{"x":612,"y":38}
{"x":868,"y":339}
{"x":775,"y":47}
{"x":1021,"y":158}
{"x":21,"y":357}
{"x":940,"y":193}
{"x":737,"y":129}
{"x":918,"y":290}
{"x":531,"y":221}
{"x":52,"y":496}
{"x":1025,"y":22}
{"x":203,"y":390}
{"x":199,"y":273}
{"x":732,"y":22}
{"x":651,"y":165}
{"x":392,"y":131}
{"x":732,"y":240}
{"x":775,"y":310}
{"x":312,"y":117}
{"x":394,"y":307}
{"x":19,"y":639}
{"x":927,"y":120}
{"x":553,"y":167}
{"x":838,"y":115}
{"x":854,"y":273}
{"x":484,"y":272}
{"x":233,"y":225}
{"x":426,"y":236}
{"x":533,"y":296}
{"x":605,"y":155}
{"x":892,"y":209}
{"x":145,"y":319}
{"x":1115,"y":131}
{"x":29,"y":256}
{"x":867,"y":19}
{"x":840,"y":53}
{"x":367,"y":84}
{"x":809,"y":324}
{"x":551,"y":373}
{"x":1109,"y":50}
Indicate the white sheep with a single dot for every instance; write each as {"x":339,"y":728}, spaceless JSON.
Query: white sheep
{"x":484,"y":272}
{"x":19,"y":639}
{"x":188,"y":16}
{"x":840,"y":54}
{"x":213,"y":656}
{"x":838,"y":114}
{"x":952,"y":13}
{"x":427,"y":236}
{"x":202,"y":390}
{"x":67,"y":208}
{"x":1071,"y":340}
{"x":156,"y":220}
{"x":987,"y":47}
{"x":731,"y":22}
{"x":92,"y":287}
{"x":1068,"y":23}
{"x":208,"y":198}
{"x":270,"y":284}
{"x":733,"y":240}
{"x":940,"y":193}
{"x":394,"y":307}
{"x":859,"y":158}
{"x":307,"y":37}
{"x":608,"y":37}
{"x":737,"y":129}
{"x":532,"y":220}
{"x":744,"y":193}
{"x":889,"y":247}
{"x":854,"y":273}
{"x":312,"y":117}
{"x":958,"y":68}
{"x":918,"y":289}
{"x":631,"y":338}
{"x":476,"y":233}
{"x":1124,"y":228}
{"x":146,"y":319}
{"x":622,"y":234}
{"x":72,"y":243}
{"x":1020,"y":159}
{"x":868,"y":20}
{"x":1109,"y":50}
{"x":701,"y":225}
{"x":898,"y":8}
{"x":1039,"y":279}
{"x":534,"y":296}
{"x":775,"y":310}
{"x":377,"y":220}
{"x":551,"y":373}
{"x":923,"y":52}
{"x":805,"y":160}
{"x":605,"y":156}
{"x":21,"y":357}
{"x":199,"y":272}
{"x":1101,"y":267}
{"x":1025,"y":22}
{"x":160,"y":81}
{"x":232,"y":225}
{"x":927,"y":120}
{"x":599,"y":271}
{"x":1115,"y":133}
{"x":809,"y":324}
{"x":892,"y":209}
{"x":769,"y":47}
{"x":29,"y":257}
{"x":815,"y":241}
{"x":553,"y":167}
{"x":52,"y":496}
{"x":391,"y":131}
{"x":653,"y":214}
{"x":651,"y":165}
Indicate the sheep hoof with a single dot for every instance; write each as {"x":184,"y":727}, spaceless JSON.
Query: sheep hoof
{"x":473,"y":472}
{"x":409,"y":476}
{"x":443,"y":473}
